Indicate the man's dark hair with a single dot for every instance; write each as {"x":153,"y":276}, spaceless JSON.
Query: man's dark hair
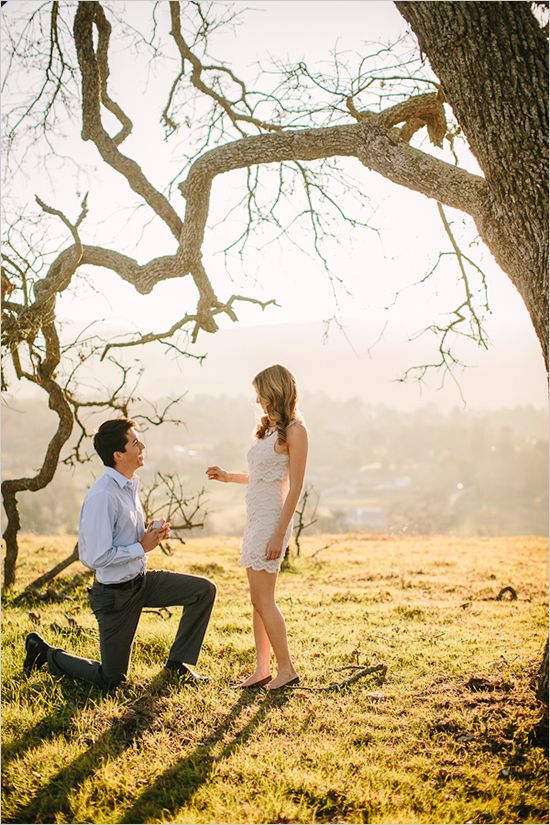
{"x":111,"y":437}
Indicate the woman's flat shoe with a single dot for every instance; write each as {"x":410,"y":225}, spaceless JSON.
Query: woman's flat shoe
{"x":291,"y":683}
{"x":260,"y":683}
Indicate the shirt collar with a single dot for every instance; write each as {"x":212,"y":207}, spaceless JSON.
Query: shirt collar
{"x":120,"y":479}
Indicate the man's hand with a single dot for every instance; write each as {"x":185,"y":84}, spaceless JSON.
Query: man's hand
{"x":274,"y":547}
{"x":154,"y":535}
{"x":165,"y":530}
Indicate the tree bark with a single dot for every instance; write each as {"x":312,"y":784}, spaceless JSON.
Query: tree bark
{"x":542,"y":680}
{"x":492,"y":59}
{"x":11,"y":487}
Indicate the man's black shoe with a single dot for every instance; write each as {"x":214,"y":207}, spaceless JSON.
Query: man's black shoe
{"x":184,"y":672}
{"x":37,"y":652}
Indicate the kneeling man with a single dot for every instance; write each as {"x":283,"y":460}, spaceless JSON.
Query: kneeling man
{"x":113,"y":542}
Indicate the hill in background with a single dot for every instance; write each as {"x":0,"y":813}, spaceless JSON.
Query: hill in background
{"x":373,"y":468}
{"x":359,"y":362}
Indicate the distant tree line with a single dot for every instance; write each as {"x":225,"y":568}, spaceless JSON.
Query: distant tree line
{"x":375,"y":469}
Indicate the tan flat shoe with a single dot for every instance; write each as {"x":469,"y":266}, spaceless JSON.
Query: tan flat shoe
{"x":260,"y":683}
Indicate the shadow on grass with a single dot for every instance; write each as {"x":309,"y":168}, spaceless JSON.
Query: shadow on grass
{"x":59,"y":721}
{"x":169,"y":792}
{"x":53,"y":799}
{"x":176,"y":786}
{"x":68,"y":588}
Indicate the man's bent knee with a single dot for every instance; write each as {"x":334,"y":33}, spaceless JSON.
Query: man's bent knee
{"x":210,"y":590}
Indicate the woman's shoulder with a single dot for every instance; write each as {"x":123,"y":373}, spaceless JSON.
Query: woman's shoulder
{"x":296,"y":428}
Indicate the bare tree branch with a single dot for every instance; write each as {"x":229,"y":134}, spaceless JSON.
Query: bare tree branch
{"x":94,"y":71}
{"x":197,"y":71}
{"x":166,"y":497}
{"x":305,"y":521}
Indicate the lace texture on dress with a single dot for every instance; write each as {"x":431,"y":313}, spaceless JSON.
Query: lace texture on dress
{"x":266,"y":493}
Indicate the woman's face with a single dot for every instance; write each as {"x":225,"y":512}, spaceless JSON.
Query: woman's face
{"x":260,"y":401}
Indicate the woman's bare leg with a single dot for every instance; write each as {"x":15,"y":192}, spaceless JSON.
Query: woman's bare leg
{"x":263,"y":650}
{"x":262,"y":593}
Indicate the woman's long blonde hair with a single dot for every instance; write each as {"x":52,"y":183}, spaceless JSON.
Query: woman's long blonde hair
{"x":278,"y":391}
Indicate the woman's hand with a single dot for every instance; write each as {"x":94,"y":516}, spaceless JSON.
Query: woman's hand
{"x":274,"y":547}
{"x":217,"y":474}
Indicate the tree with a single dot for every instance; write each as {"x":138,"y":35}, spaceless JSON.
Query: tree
{"x":490,"y":60}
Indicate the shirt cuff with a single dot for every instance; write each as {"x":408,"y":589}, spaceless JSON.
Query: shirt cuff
{"x":135,"y":551}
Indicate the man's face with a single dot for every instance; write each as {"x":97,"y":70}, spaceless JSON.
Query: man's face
{"x":132,"y":458}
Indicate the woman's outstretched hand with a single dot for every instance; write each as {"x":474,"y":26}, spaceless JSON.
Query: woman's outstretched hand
{"x":217,"y":474}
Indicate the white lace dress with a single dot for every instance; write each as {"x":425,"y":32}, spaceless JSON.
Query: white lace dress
{"x":266,"y":492}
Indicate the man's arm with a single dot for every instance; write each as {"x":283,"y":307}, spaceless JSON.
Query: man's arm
{"x":95,"y":535}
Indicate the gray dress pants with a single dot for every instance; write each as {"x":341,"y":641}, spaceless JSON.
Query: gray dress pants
{"x":117,"y":611}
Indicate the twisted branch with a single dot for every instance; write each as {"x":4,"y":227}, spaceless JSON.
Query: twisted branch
{"x":42,"y":376}
{"x":94,"y":71}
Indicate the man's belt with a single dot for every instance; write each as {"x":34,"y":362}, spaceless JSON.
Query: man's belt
{"x":124,"y":585}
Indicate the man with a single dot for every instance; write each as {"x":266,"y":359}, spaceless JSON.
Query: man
{"x":113,"y":541}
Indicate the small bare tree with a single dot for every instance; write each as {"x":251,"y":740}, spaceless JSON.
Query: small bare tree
{"x":167,"y":496}
{"x":305,"y":516}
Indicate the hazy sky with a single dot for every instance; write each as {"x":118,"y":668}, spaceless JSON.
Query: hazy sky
{"x":400,"y":247}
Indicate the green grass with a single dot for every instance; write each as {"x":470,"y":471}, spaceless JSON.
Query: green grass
{"x":429,"y":745}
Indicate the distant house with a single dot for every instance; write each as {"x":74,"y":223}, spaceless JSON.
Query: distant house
{"x":366,"y":516}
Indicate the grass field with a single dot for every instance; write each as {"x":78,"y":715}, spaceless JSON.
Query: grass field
{"x":447,"y":737}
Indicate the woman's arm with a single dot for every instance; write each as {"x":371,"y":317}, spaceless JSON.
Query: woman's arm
{"x":219,"y":474}
{"x":238,"y":478}
{"x":297,"y":443}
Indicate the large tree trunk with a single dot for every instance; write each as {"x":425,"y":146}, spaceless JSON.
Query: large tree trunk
{"x":542,"y":681}
{"x":492,"y":59}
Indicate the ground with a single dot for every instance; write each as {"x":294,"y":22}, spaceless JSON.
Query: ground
{"x":448,"y":736}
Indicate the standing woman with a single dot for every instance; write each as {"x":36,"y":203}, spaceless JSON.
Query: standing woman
{"x":276,"y":467}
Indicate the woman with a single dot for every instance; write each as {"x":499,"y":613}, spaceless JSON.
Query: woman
{"x":276,"y":463}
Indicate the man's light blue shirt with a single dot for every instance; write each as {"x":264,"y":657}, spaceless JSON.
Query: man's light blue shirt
{"x":111,"y":525}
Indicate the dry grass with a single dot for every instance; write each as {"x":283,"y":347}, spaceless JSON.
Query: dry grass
{"x":448,"y":737}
